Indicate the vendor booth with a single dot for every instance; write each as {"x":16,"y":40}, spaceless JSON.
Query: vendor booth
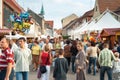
{"x":4,"y":32}
{"x":17,"y":36}
{"x":111,"y":35}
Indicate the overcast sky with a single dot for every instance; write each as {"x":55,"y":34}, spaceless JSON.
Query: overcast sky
{"x":57,"y":9}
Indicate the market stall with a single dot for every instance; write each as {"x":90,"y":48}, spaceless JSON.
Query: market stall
{"x":111,"y":35}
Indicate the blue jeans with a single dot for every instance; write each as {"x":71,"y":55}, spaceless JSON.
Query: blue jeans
{"x":3,"y":74}
{"x":73,"y":63}
{"x":21,"y":75}
{"x":104,"y":69}
{"x":92,"y":60}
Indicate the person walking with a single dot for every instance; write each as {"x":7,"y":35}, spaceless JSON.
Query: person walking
{"x":67,"y":53}
{"x":105,"y":60}
{"x":35,"y":55}
{"x":80,"y":63}
{"x":57,"y":45}
{"x":93,"y":55}
{"x":74,"y":52}
{"x":45,"y":60}
{"x":116,"y":68}
{"x":6,"y":60}
{"x":61,"y":67}
{"x":23,"y":59}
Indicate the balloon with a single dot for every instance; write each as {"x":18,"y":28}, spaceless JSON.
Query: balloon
{"x":15,"y":25}
{"x":26,"y":25}
{"x":20,"y":27}
{"x":24,"y":15}
{"x":18,"y":19}
{"x":21,"y":21}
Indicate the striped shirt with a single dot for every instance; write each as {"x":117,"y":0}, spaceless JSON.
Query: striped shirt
{"x":105,"y":58}
{"x":6,"y":56}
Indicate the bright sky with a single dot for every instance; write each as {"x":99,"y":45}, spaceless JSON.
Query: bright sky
{"x":57,"y":9}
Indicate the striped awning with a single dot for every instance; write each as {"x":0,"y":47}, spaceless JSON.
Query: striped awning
{"x":5,"y":30}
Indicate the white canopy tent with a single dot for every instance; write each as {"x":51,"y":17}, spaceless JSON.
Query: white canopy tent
{"x":106,"y":20}
{"x":87,"y":26}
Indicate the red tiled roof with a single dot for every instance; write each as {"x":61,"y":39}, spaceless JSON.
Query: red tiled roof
{"x":89,"y":13}
{"x":50,"y":23}
{"x":108,"y":4}
{"x":14,"y":5}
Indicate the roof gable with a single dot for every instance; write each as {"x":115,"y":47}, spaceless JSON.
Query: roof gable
{"x":88,"y":13}
{"x":71,"y":23}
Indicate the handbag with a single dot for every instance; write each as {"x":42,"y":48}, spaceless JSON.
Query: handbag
{"x":43,"y":67}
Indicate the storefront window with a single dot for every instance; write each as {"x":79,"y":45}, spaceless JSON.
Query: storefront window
{"x":7,"y":12}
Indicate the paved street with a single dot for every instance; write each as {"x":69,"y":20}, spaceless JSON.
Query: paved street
{"x":70,"y":76}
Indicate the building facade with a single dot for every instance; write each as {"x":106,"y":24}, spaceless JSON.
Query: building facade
{"x":7,"y":7}
{"x":68,"y":19}
{"x":70,"y":28}
{"x":49,"y":28}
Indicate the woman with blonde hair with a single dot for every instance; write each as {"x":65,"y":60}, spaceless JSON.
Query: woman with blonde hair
{"x":80,"y":63}
{"x":45,"y":59}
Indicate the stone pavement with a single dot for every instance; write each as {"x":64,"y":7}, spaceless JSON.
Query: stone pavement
{"x":70,"y":76}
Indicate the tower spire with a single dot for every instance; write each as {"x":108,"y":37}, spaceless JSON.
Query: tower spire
{"x":42,"y":12}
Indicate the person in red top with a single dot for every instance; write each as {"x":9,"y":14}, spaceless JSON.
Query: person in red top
{"x":6,"y":60}
{"x":45,"y":59}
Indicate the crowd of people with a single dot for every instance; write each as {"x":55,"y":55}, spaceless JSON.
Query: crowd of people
{"x":63,"y":55}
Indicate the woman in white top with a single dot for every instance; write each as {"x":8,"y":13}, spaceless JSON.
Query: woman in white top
{"x":23,"y":59}
{"x":92,"y":53}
